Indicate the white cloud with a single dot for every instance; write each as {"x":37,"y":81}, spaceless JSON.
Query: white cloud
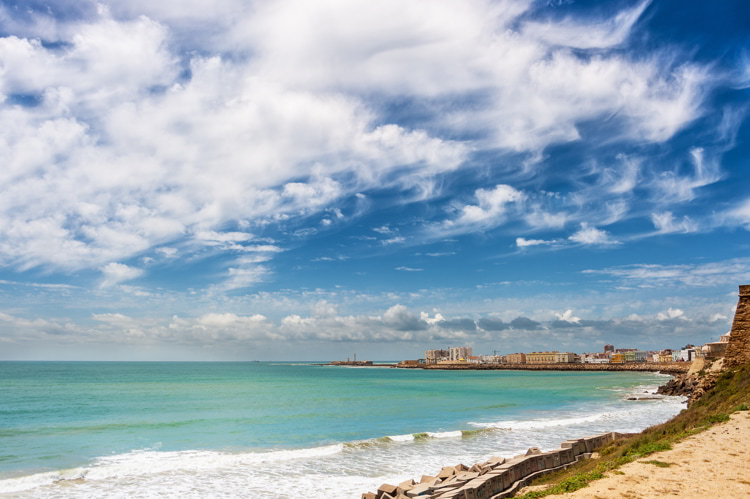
{"x":291,"y":129}
{"x":665,"y":223}
{"x":592,"y":236}
{"x":671,"y":187}
{"x":568,"y":316}
{"x":489,"y":211}
{"x":572,"y":33}
{"x":393,"y":240}
{"x":671,"y":313}
{"x":384,"y":229}
{"x":115,"y":273}
{"x":408,"y":269}
{"x":167,"y":252}
{"x":718,"y":317}
{"x":523,"y":243}
{"x":705,"y":274}
{"x":244,"y":276}
{"x":212,"y":237}
{"x":738,"y":215}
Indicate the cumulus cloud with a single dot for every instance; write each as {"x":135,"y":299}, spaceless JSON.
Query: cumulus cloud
{"x":115,"y":273}
{"x":568,"y":316}
{"x":490,"y":210}
{"x":592,"y":236}
{"x":671,"y":313}
{"x":197,"y":136}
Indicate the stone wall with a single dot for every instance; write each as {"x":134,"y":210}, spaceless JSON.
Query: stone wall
{"x":738,"y":350}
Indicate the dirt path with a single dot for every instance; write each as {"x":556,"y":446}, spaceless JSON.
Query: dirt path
{"x":714,"y":464}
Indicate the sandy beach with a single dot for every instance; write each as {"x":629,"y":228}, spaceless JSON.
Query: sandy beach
{"x":714,"y":463}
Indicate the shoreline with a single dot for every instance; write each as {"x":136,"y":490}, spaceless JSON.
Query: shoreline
{"x":671,"y":368}
{"x":504,"y":477}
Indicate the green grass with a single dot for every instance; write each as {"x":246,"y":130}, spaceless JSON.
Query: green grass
{"x":660,"y":464}
{"x":731,"y":393}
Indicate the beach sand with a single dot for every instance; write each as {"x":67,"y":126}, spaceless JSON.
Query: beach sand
{"x":713,"y":464}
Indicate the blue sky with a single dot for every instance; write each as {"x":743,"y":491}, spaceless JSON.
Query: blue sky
{"x":292,"y":180}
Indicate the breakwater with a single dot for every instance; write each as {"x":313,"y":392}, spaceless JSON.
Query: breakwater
{"x":495,"y":478}
{"x":664,"y":368}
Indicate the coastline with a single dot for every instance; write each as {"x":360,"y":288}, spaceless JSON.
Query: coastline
{"x":664,"y":368}
{"x":672,"y":368}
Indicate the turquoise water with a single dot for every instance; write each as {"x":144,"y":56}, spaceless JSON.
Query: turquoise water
{"x":154,"y":422}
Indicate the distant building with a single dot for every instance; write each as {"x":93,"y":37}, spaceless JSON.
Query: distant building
{"x":595,"y":358}
{"x":516,"y":358}
{"x":687,"y":354}
{"x":417,"y":362}
{"x":609,"y":348}
{"x":435,"y":356}
{"x":717,"y":348}
{"x":665,"y":355}
{"x":565,"y":358}
{"x":459,"y":353}
{"x":617,"y":358}
{"x":492,"y":359}
{"x":541,"y":358}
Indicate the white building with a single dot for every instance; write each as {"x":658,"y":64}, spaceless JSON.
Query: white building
{"x":460,"y":353}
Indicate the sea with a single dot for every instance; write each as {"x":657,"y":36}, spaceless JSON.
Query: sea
{"x":287,"y":430}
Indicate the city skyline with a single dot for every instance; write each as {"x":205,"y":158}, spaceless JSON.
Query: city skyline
{"x":296,"y":180}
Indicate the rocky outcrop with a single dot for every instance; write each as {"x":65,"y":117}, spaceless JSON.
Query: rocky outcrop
{"x":681,"y":386}
{"x":738,"y":350}
{"x":693,"y":386}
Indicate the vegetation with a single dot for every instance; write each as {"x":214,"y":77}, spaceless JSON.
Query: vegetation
{"x":731,"y":393}
{"x":660,"y":464}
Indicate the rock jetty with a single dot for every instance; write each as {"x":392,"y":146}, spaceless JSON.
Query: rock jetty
{"x":496,"y":478}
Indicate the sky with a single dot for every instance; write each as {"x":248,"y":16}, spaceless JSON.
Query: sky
{"x":295,"y":180}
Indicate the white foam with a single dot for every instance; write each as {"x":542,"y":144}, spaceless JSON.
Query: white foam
{"x":401,"y":438}
{"x":445,"y":434}
{"x":540,"y":423}
{"x":144,"y":463}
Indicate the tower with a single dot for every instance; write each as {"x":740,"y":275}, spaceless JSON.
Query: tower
{"x":738,"y":349}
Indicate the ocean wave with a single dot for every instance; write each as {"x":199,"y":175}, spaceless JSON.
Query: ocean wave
{"x":149,"y":462}
{"x":533,"y":424}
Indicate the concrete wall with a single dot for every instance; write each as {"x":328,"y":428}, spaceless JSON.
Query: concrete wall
{"x":495,"y":478}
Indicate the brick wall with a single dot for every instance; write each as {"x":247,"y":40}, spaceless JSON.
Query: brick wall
{"x":738,"y":350}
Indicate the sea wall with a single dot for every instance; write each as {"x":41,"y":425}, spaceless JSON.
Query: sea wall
{"x":496,"y":478}
{"x":665,"y":367}
{"x":738,"y":349}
